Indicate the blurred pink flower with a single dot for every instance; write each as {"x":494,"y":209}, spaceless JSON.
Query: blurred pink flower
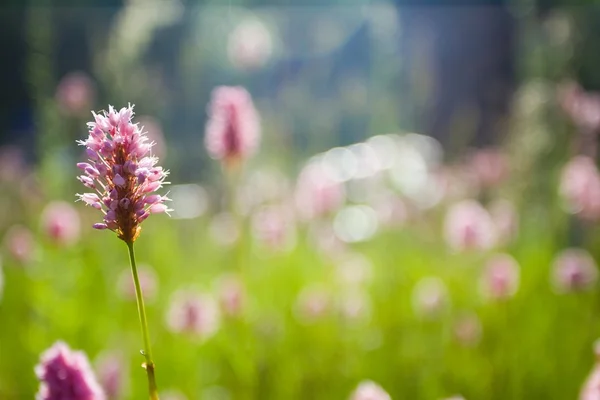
{"x":573,"y":270}
{"x":316,"y":193}
{"x":369,"y":390}
{"x":233,"y":126}
{"x":500,"y":278}
{"x":582,"y":107}
{"x":61,"y":222}
{"x":66,"y":374}
{"x":232,"y":295}
{"x":122,"y":173}
{"x":506,"y":219}
{"x":20,"y":243}
{"x":273,"y":226}
{"x":75,"y":93}
{"x":430,"y":297}
{"x":148,"y":283}
{"x":249,"y":45}
{"x":196,"y":314}
{"x":313,"y":303}
{"x":580,"y":187}
{"x":490,"y":166}
{"x":469,"y":226}
{"x":111,"y":374}
{"x":467,"y":330}
{"x":591,"y":387}
{"x":155,"y":134}
{"x":12,"y":164}
{"x":324,"y":239}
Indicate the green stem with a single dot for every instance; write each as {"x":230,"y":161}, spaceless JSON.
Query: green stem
{"x":147,"y":352}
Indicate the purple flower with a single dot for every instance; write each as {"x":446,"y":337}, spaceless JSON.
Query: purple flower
{"x":122,"y":172}
{"x":233,"y":127}
{"x":66,"y":375}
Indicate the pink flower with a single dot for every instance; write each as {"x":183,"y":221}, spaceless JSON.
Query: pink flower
{"x":61,"y":223}
{"x":489,"y":166}
{"x":580,"y":187}
{"x":273,"y":227}
{"x":582,"y":107}
{"x":369,"y":390}
{"x":312,"y":303}
{"x":66,"y":374}
{"x":122,"y":173}
{"x":591,"y":387}
{"x":20,"y":243}
{"x":75,"y":93}
{"x":196,"y":314}
{"x":506,"y":219}
{"x":573,"y":270}
{"x":148,"y":282}
{"x":469,"y":226}
{"x":316,"y":193}
{"x":467,"y":330}
{"x":111,"y":372}
{"x":430,"y":297}
{"x":500,"y":279}
{"x":12,"y":164}
{"x":232,"y":295}
{"x":233,"y":127}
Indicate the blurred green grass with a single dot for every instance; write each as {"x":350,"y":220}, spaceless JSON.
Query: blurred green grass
{"x":536,"y":345}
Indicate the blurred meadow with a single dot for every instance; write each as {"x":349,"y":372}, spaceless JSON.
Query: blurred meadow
{"x":416,"y":219}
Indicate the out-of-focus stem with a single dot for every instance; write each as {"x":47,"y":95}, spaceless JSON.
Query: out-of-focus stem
{"x":149,"y":364}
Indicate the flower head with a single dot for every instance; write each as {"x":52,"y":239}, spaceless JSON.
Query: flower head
{"x":66,"y":374}
{"x":193,"y":313}
{"x":469,"y":226}
{"x":111,"y":373}
{"x":430,"y":297}
{"x":580,"y":187}
{"x":574,"y":270}
{"x":591,"y":386}
{"x":233,"y":127}
{"x":500,"y":279}
{"x":60,"y":222}
{"x":369,"y":390}
{"x":122,"y":172}
{"x":20,"y":243}
{"x":75,"y":93}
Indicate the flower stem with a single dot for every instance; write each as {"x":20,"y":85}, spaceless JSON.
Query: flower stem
{"x":147,"y":352}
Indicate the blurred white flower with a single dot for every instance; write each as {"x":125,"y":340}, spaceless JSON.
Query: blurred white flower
{"x":354,"y":224}
{"x":250,"y":45}
{"x":369,"y":390}
{"x":430,"y":297}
